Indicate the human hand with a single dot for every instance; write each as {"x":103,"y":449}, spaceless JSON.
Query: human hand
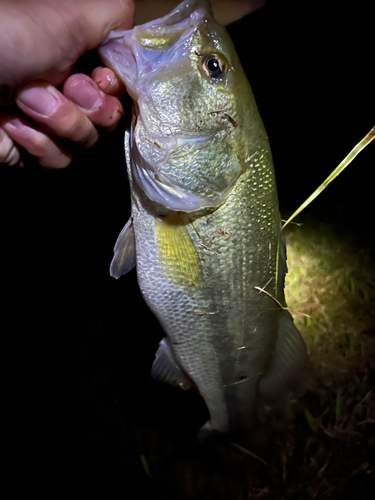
{"x":40,"y":42}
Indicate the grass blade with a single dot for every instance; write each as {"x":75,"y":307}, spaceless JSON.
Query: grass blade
{"x":345,"y":162}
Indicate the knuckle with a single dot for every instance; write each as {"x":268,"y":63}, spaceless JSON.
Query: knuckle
{"x":87,"y":136}
{"x":78,"y":129}
{"x":48,"y":152}
{"x":13,"y":157}
{"x":9,"y":153}
{"x":58,"y":160}
{"x":39,"y":144}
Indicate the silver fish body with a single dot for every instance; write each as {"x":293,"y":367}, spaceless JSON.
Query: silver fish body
{"x":205,"y":224}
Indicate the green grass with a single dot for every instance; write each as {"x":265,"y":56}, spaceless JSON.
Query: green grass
{"x":334,"y":284}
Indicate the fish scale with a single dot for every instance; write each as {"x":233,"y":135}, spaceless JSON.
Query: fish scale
{"x":199,"y":341}
{"x":205,"y":229}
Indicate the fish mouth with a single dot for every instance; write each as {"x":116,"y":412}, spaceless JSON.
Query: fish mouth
{"x":133,"y":54}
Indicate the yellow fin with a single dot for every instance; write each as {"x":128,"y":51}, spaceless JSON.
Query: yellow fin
{"x":178,"y":256}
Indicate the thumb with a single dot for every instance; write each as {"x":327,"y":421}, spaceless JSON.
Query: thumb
{"x":98,"y":17}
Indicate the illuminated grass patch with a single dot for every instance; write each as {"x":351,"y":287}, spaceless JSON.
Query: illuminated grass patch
{"x":334,"y":284}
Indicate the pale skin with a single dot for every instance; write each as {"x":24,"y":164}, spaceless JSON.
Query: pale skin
{"x":44,"y":109}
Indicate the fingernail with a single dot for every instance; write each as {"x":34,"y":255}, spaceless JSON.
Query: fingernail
{"x":85,"y":95}
{"x":38,"y":99}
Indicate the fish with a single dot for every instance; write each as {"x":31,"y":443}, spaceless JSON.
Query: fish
{"x":205,"y":228}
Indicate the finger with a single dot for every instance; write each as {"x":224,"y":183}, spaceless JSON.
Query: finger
{"x":9,"y":151}
{"x":103,"y":110}
{"x":108,"y":82}
{"x":48,"y":152}
{"x":98,"y":18}
{"x":44,"y":104}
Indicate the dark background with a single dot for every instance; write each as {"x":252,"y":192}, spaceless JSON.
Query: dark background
{"x":78,"y":406}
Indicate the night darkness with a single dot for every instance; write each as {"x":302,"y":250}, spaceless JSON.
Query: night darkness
{"x":77,"y":346}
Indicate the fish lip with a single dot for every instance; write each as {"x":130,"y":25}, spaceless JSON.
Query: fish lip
{"x":117,"y":49}
{"x":116,"y":53}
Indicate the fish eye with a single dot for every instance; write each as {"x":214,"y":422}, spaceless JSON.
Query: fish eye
{"x":214,"y":65}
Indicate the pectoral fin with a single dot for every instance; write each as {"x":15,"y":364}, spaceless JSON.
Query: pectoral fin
{"x":290,"y":366}
{"x":177,"y":254}
{"x":124,"y":258}
{"x":165,"y":369}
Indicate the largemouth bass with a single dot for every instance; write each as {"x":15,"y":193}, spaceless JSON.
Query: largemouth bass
{"x":205,"y":229}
